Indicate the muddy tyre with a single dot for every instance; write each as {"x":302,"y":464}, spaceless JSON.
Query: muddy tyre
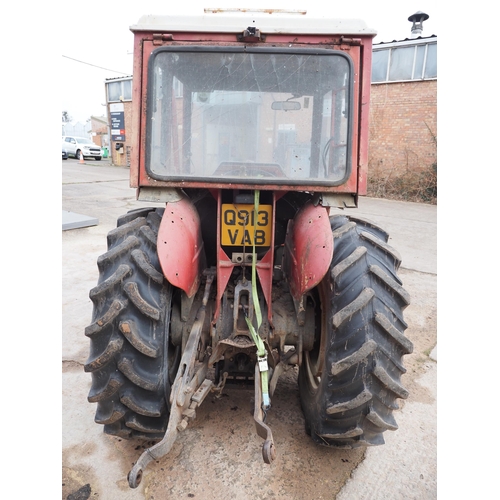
{"x":130,"y":353}
{"x":350,"y":381}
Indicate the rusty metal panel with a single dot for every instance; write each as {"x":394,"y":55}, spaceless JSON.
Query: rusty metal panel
{"x":358,"y":52}
{"x":308,"y":249}
{"x":180,"y":246}
{"x":365,"y":66}
{"x":137,"y":83}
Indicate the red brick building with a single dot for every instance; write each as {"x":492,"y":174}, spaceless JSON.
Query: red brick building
{"x":99,"y":125}
{"x":403,"y":107}
{"x":119,"y":106}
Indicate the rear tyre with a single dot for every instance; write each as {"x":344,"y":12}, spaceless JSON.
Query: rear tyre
{"x":130,"y":351}
{"x":350,"y":381}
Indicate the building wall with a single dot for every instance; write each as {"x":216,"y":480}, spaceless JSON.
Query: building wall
{"x":403,"y":126}
{"x":123,"y":159}
{"x":99,"y":132}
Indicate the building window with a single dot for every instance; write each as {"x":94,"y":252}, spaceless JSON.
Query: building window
{"x":431,"y":61}
{"x":405,"y":62}
{"x":120,"y":90}
{"x":177,"y":88}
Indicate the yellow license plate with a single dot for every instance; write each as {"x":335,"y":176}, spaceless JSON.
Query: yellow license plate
{"x":240,"y":223}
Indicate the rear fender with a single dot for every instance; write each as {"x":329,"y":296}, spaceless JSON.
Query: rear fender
{"x":180,"y":246}
{"x":308,"y":249}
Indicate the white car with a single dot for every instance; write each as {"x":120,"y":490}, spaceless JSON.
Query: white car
{"x":76,"y":145}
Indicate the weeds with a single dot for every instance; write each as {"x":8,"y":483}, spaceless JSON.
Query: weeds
{"x":406,"y":180}
{"x":411,"y":185}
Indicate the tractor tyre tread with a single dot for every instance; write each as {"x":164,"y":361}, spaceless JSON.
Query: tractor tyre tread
{"x":351,"y":403}
{"x":129,"y":338}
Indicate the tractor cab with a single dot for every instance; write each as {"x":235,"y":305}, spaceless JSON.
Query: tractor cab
{"x":282,"y":102}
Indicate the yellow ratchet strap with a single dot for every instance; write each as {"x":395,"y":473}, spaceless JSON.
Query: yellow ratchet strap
{"x":261,"y":349}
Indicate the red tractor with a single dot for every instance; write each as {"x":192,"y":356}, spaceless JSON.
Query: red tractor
{"x":252,"y":129}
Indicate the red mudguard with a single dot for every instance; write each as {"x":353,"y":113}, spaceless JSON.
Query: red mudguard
{"x":308,"y":249}
{"x":180,"y":246}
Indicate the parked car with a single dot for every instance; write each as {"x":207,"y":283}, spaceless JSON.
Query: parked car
{"x":76,"y":145}
{"x":64,"y":153}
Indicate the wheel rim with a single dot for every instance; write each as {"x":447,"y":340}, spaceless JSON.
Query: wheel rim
{"x":314,"y":360}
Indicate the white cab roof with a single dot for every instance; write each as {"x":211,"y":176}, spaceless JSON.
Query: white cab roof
{"x":267,"y":21}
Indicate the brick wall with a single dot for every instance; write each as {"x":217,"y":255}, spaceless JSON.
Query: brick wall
{"x":99,"y":129}
{"x":403,"y":125}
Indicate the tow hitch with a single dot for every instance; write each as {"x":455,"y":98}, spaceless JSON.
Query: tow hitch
{"x":188,"y":391}
{"x":268,"y":449}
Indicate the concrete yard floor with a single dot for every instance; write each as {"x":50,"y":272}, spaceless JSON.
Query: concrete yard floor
{"x":219,"y":455}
